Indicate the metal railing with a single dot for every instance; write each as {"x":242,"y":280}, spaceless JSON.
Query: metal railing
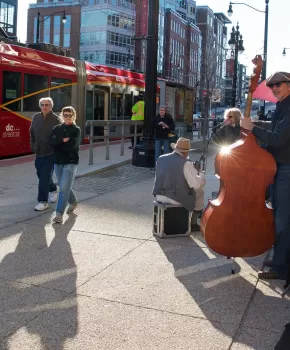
{"x":107,"y":124}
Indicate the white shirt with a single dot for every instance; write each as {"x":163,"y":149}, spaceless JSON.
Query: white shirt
{"x":194,"y":180}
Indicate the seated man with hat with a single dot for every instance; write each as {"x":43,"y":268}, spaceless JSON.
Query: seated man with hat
{"x":177,"y":181}
{"x":277,"y":141}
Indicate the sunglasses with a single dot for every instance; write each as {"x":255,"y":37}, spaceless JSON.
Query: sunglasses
{"x":275,"y":84}
{"x":44,"y":105}
{"x":67,"y":115}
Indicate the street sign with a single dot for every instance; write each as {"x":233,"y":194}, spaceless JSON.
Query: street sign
{"x":216,"y":95}
{"x":204,"y":92}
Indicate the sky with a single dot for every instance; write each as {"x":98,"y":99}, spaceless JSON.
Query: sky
{"x":251,"y":24}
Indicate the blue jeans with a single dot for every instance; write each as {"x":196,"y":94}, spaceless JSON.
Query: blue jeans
{"x":65,"y":175}
{"x":158,"y":146}
{"x":44,"y":171}
{"x":280,"y":194}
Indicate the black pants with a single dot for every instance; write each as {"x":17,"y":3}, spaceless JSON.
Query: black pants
{"x":139,"y":130}
{"x":44,"y":170}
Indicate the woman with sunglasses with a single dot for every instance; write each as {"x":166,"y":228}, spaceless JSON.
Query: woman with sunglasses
{"x":229,"y":132}
{"x":65,"y":139}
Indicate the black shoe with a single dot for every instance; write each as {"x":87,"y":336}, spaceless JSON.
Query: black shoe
{"x":130,"y":147}
{"x":195,"y":228}
{"x":268,"y":263}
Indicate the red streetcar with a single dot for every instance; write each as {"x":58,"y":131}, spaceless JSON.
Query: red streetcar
{"x":97,"y":92}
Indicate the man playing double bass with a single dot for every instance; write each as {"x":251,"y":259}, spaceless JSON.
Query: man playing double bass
{"x":277,"y":142}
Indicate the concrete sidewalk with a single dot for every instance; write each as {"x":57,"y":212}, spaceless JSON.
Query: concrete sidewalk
{"x":103,"y":281}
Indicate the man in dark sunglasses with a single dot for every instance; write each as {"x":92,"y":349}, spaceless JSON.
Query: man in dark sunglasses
{"x":277,"y":142}
{"x":40,"y":130}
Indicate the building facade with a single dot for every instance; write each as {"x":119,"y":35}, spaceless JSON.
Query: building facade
{"x":242,"y":84}
{"x":51,"y":28}
{"x":107,"y":30}
{"x":8,"y":16}
{"x":208,"y":68}
{"x":179,"y":53}
{"x":220,"y":30}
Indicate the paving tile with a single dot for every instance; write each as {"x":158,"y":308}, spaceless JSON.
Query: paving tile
{"x":268,"y":311}
{"x":256,"y":339}
{"x":20,"y":303}
{"x":113,"y":214}
{"x":176,"y":278}
{"x":57,"y":258}
{"x":106,"y":325}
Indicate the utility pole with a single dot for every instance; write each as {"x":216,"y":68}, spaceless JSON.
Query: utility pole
{"x":143,"y":154}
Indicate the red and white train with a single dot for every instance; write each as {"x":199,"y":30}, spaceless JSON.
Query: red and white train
{"x":95,"y":91}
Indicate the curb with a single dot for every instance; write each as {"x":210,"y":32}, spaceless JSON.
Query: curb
{"x":103,"y":169}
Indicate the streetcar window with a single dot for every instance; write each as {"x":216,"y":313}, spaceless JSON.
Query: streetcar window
{"x":11,"y":90}
{"x":34,"y":84}
{"x":60,"y":94}
{"x":128,"y":106}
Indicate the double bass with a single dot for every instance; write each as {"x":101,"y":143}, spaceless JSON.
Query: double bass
{"x":238,"y":223}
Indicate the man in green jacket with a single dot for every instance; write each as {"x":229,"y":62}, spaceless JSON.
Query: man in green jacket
{"x":137,"y":114}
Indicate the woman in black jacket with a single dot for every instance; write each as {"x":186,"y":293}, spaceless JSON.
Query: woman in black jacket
{"x":230,"y":131}
{"x":65,"y":139}
{"x":163,"y":125}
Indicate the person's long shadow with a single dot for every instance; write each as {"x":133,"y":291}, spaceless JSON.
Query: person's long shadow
{"x":219,"y":296}
{"x":38,"y":289}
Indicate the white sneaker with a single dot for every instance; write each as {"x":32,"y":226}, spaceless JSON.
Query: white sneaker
{"x":52,"y":196}
{"x":41,"y":206}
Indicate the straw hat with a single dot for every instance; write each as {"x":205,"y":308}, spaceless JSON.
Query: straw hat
{"x":182,"y":145}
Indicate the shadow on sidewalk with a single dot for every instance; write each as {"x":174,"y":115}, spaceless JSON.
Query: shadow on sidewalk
{"x":38,"y":290}
{"x":224,"y":298}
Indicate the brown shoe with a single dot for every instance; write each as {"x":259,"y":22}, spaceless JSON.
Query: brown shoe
{"x":268,"y":263}
{"x":270,"y":275}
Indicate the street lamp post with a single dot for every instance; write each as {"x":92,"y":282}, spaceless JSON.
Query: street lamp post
{"x":236,"y":43}
{"x":39,"y":21}
{"x":284,"y":51}
{"x":143,"y":153}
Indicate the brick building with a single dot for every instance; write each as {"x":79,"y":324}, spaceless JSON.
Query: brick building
{"x":51,"y":28}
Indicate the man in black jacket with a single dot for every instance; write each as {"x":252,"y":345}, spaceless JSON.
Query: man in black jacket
{"x":278,"y":144}
{"x":163,"y":124}
{"x":40,"y":130}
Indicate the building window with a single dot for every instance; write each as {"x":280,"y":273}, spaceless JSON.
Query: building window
{"x":93,"y":38}
{"x":56,"y":24}
{"x":93,"y":18}
{"x":118,"y":58}
{"x":121,"y":40}
{"x":33,"y":83}
{"x":46,"y":29}
{"x":120,"y":21}
{"x":34,"y":29}
{"x":7,"y":17}
{"x":66,"y":40}
{"x":56,"y":39}
{"x":94,"y":56}
{"x":11,"y":89}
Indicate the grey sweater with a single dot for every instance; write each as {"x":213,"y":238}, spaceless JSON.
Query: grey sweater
{"x":40,"y":131}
